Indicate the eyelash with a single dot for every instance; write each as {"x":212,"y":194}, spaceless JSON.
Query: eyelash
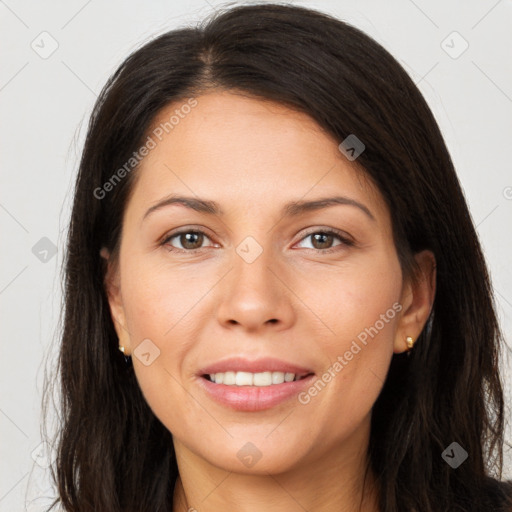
{"x":338,"y":234}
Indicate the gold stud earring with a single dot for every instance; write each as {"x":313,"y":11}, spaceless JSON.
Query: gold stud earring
{"x":126,"y":358}
{"x":410,"y":343}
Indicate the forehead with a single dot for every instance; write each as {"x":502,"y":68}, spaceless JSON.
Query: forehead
{"x":247,"y":153}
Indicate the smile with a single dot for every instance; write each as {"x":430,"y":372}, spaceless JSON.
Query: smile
{"x":250,"y":397}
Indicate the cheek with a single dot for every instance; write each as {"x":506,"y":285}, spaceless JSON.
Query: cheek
{"x":158,"y":298}
{"x":162,"y":305}
{"x":361,"y":309}
{"x":355,"y":299}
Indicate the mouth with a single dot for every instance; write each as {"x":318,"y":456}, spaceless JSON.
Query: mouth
{"x":248,"y":392}
{"x":242,"y":384}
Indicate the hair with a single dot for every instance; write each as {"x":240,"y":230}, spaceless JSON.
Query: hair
{"x":112,"y":452}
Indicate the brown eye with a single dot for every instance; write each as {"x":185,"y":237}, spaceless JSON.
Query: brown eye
{"x":187,"y":240}
{"x":191,"y":240}
{"x":323,"y":240}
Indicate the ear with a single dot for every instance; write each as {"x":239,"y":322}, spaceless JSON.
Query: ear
{"x":417,"y":299}
{"x":113,"y":290}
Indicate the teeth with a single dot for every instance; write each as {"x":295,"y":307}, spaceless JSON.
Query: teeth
{"x":244,"y":378}
{"x":252,"y":379}
{"x":278,"y":377}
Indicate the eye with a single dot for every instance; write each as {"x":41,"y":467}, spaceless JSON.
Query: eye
{"x":322,"y":240}
{"x":190,"y":240}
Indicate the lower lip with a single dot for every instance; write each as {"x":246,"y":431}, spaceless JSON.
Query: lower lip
{"x":254,"y":398}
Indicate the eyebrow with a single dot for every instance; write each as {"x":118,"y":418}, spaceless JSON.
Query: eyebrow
{"x":291,"y":209}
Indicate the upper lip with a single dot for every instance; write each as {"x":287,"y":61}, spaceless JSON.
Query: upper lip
{"x":240,"y":364}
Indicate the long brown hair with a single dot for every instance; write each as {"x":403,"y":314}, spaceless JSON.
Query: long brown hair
{"x":113,"y":453}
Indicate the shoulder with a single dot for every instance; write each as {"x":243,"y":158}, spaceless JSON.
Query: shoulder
{"x":499,"y":494}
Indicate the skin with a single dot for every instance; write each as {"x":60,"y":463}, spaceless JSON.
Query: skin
{"x":252,"y":156}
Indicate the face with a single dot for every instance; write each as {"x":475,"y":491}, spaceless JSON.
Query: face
{"x":318,"y":290}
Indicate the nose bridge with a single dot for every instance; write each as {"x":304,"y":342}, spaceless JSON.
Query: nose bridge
{"x":253,"y":265}
{"x":253,"y":277}
{"x":253,"y":295}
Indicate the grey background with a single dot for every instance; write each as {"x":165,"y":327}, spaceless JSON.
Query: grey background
{"x":45,"y":99}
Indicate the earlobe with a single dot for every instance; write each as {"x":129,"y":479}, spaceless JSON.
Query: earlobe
{"x":113,"y":292}
{"x":418,"y":298}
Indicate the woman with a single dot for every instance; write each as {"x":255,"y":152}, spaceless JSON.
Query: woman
{"x":268,"y":225}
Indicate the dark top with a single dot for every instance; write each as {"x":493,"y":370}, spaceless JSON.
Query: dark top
{"x":499,"y":496}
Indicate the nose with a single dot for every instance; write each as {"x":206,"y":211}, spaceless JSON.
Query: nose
{"x":255,"y":296}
